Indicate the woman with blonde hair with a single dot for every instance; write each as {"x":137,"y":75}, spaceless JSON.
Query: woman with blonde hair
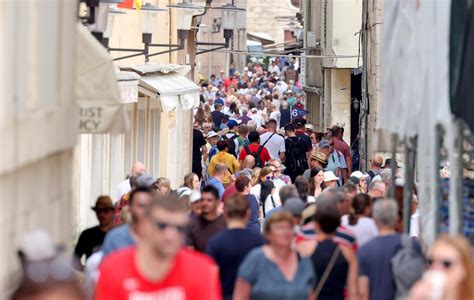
{"x":255,"y":176}
{"x":191,"y":181}
{"x":265,"y":174}
{"x":450,"y":274}
{"x":162,"y":185}
{"x":275,"y":271}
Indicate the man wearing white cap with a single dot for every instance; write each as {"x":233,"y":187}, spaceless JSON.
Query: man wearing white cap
{"x":360,"y":180}
{"x":330,"y":180}
{"x":212,"y":138}
{"x":257,"y":118}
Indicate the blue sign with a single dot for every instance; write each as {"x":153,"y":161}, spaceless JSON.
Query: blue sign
{"x":295,"y":113}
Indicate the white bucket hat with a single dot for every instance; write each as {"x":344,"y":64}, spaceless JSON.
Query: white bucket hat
{"x":357,"y":174}
{"x":329,"y":176}
{"x":211,"y":134}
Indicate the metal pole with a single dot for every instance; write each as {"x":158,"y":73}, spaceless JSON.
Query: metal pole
{"x":437,"y":186}
{"x":409,"y":180}
{"x":393,"y":164}
{"x":457,"y":183}
{"x":363,"y":128}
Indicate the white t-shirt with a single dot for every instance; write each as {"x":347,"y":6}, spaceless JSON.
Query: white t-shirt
{"x":415,"y":224}
{"x":274,"y":145}
{"x":276,"y":115}
{"x":258,"y":119}
{"x":277,"y":104}
{"x":255,"y":190}
{"x":122,"y":188}
{"x":269,"y":204}
{"x":364,"y":230}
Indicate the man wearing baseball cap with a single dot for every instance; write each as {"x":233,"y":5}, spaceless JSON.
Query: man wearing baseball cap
{"x":232,"y":136}
{"x":91,"y":239}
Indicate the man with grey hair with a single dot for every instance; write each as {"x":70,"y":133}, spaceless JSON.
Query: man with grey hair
{"x":337,"y":196}
{"x":377,"y":189}
{"x":218,"y":177}
{"x":124,"y":187}
{"x":343,"y":235}
{"x":376,"y":280}
{"x":244,"y":115}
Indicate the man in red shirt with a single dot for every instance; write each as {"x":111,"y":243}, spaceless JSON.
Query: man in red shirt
{"x":255,"y":147}
{"x":341,"y":146}
{"x":158,"y":267}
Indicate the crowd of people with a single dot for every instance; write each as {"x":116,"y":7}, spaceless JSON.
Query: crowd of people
{"x":272,"y":210}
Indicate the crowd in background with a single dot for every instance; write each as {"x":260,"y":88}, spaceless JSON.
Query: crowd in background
{"x":272,"y":210}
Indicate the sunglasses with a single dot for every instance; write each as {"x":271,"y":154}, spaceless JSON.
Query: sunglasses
{"x":442,"y":262}
{"x":270,"y":178}
{"x":162,"y":226}
{"x":103,"y":210}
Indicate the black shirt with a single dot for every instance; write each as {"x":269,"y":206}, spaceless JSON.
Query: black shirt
{"x":306,"y":139}
{"x":89,"y":240}
{"x":217,"y":118}
{"x":229,"y":248}
{"x":285,"y":117}
{"x":198,"y":142}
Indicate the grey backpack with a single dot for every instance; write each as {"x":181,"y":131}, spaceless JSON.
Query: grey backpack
{"x":407,"y":267}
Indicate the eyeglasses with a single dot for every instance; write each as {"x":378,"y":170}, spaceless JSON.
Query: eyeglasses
{"x":162,"y":226}
{"x":442,"y":262}
{"x":270,"y":178}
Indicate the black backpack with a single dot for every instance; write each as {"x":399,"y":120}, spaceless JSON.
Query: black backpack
{"x":231,"y":143}
{"x":296,"y":156}
{"x":258,"y":161}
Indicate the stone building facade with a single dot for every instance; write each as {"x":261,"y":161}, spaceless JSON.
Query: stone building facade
{"x":375,"y":22}
{"x":38,"y":124}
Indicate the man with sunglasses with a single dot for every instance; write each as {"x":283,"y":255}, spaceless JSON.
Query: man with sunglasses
{"x":91,"y":239}
{"x":159,"y":267}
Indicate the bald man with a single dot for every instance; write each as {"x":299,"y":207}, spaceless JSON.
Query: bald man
{"x":375,"y":166}
{"x":124,"y":187}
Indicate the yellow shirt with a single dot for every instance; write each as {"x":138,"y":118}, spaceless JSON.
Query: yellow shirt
{"x":229,"y":160}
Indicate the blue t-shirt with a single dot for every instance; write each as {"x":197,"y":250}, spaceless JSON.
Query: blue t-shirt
{"x":228,"y":249}
{"x":212,"y":152}
{"x":217,"y":184}
{"x":267,"y":281}
{"x":118,"y":238}
{"x":375,"y":263}
{"x":253,"y":223}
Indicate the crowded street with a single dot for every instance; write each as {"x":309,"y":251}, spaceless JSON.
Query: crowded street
{"x":209,"y":150}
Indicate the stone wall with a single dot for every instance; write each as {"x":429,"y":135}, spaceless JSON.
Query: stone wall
{"x":261,"y":17}
{"x":38,"y":121}
{"x":375,"y":8}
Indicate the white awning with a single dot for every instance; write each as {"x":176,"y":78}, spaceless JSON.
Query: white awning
{"x":173,"y":89}
{"x":261,"y":37}
{"x":97,"y":94}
